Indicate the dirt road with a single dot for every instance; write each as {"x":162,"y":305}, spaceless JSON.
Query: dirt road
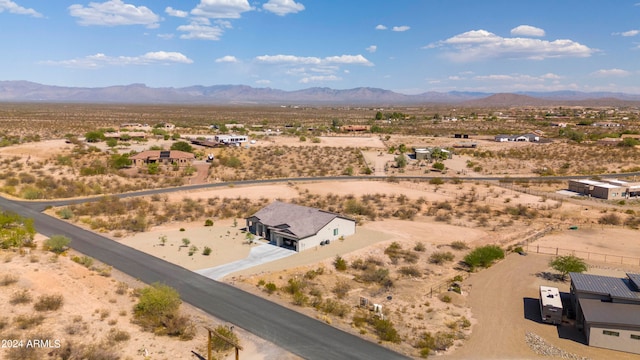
{"x":504,"y":302}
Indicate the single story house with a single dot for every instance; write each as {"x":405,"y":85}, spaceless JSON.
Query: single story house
{"x":608,"y":310}
{"x":608,"y":189}
{"x":522,"y":138}
{"x":163,"y":157}
{"x":299,"y":227}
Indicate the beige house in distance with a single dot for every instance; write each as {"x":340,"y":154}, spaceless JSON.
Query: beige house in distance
{"x":163,"y":157}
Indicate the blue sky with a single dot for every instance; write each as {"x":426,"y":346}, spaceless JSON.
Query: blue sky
{"x":408,"y":46}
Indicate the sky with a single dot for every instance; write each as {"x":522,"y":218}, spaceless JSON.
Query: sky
{"x":407,"y":46}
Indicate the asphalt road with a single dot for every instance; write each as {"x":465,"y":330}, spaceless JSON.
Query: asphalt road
{"x":297,"y":333}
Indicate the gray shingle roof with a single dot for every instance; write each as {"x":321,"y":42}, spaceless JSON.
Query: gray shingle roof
{"x":300,"y":221}
{"x":615,"y":287}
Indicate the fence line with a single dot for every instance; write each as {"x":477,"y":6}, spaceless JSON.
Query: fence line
{"x":587,"y":255}
{"x":446,"y":285}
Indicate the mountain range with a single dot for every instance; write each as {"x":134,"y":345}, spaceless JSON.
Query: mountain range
{"x":25,"y":91}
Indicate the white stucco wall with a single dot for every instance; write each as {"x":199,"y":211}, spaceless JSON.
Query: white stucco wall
{"x":623,"y":342}
{"x":345,"y":228}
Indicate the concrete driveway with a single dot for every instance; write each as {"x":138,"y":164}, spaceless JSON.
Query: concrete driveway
{"x":258,"y":255}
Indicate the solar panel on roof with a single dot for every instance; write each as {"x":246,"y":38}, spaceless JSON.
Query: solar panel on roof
{"x":165,"y":154}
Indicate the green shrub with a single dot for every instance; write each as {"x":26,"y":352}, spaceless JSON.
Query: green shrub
{"x":483,"y":256}
{"x":340,"y":263}
{"x":419,"y":247}
{"x":270,"y":287}
{"x":28,"y":321}
{"x":219,"y":345}
{"x":84,"y":261}
{"x":156,"y":304}
{"x":341,"y":289}
{"x":208,"y":222}
{"x":386,"y":331}
{"x":410,"y":271}
{"x":57,"y":243}
{"x":206,"y":251}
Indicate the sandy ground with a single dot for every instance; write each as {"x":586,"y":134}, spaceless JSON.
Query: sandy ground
{"x":325,"y":141}
{"x":504,"y":303}
{"x":91,"y":303}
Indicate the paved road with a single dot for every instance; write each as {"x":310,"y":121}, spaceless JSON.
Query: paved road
{"x":297,"y":333}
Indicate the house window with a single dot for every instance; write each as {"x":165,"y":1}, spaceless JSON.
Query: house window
{"x":610,"y":333}
{"x":635,"y":337}
{"x":335,"y":232}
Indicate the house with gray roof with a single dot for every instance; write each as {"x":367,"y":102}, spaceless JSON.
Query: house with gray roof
{"x":608,"y":310}
{"x":299,"y":227}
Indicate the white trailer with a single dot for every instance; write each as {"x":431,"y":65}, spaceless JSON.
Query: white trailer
{"x":550,"y":305}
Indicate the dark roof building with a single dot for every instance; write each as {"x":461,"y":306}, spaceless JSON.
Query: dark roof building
{"x":608,"y":310}
{"x":181,"y":158}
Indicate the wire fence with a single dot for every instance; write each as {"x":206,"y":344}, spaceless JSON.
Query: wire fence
{"x":448,"y":284}
{"x":586,"y":255}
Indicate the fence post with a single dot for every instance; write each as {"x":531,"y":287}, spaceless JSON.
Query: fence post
{"x":556,"y":251}
{"x":538,"y":249}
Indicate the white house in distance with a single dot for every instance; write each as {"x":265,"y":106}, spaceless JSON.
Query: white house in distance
{"x":299,"y":227}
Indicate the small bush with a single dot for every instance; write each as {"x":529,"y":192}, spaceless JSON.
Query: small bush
{"x":270,"y":287}
{"x":459,"y":245}
{"x":483,"y":256}
{"x":20,"y":297}
{"x":441,"y":257}
{"x":116,"y":336}
{"x":341,"y":289}
{"x":445,"y":298}
{"x":340,"y":263}
{"x":57,"y":243}
{"x":220,"y":345}
{"x":24,"y":322}
{"x":208,"y":222}
{"x":410,"y":271}
{"x":419,"y":247}
{"x":206,"y":251}
{"x":386,"y":331}
{"x":49,"y":302}
{"x":8,"y":279}
{"x":84,"y":261}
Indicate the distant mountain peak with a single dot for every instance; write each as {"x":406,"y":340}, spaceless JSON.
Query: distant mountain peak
{"x":25,"y":91}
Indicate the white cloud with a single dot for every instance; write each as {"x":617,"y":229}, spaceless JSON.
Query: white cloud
{"x":13,"y":8}
{"x":381,"y":27}
{"x":527,"y":30}
{"x":455,"y":78}
{"x":348,"y":59}
{"x":283,"y":7}
{"x":227,"y":59}
{"x":311,"y":79}
{"x":263,"y":82}
{"x":114,"y":13}
{"x":513,"y":77}
{"x":100,"y":60}
{"x":611,"y":73}
{"x":372,"y":48}
{"x":287,"y":59}
{"x":222,"y":9}
{"x":478,"y":45}
{"x":177,"y":13}
{"x":628,"y":33}
{"x":400,"y":28}
{"x":166,"y":36}
{"x":198,"y":31}
{"x":551,"y":76}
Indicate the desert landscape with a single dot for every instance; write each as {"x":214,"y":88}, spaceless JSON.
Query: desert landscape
{"x":416,"y":224}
